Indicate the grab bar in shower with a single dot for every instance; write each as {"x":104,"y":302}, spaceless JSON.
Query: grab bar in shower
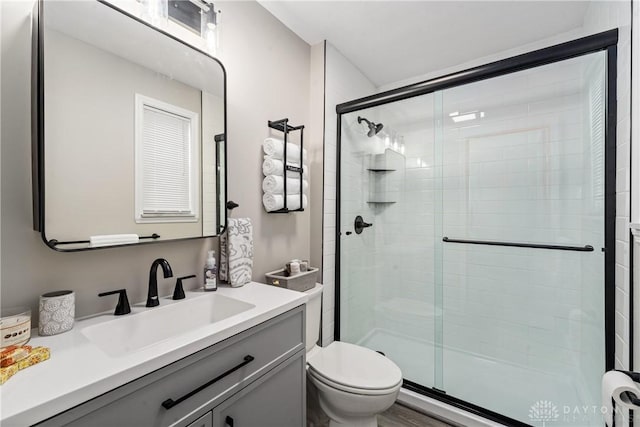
{"x":585,"y":248}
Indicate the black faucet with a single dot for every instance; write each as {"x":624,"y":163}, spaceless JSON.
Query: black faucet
{"x":152,"y":296}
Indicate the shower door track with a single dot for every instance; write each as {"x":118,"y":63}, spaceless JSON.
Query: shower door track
{"x":605,"y":41}
{"x":461,"y":404}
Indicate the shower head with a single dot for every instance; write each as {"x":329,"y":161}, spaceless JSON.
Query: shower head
{"x":373,"y":127}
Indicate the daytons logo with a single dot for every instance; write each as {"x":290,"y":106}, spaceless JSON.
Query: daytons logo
{"x":543,"y":411}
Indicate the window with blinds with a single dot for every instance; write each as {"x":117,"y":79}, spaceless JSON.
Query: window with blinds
{"x":166,"y":162}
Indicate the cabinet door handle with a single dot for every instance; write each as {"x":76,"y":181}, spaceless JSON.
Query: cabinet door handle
{"x":229,"y":421}
{"x":170,"y":403}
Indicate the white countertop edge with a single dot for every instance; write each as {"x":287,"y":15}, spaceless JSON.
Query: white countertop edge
{"x":635,"y":229}
{"x":24,"y":401}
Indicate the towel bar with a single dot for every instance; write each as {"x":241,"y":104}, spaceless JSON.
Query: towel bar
{"x":585,"y":248}
{"x":54,"y":242}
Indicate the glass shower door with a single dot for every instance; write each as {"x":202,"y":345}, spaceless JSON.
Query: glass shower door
{"x":523,"y":162}
{"x":477,"y":264}
{"x":387,"y":271}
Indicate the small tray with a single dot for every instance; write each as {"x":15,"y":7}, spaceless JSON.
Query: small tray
{"x":300,"y":282}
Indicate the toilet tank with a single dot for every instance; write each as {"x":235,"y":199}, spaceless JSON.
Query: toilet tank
{"x":314,"y":309}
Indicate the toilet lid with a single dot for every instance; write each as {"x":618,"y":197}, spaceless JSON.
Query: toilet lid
{"x":355,"y":367}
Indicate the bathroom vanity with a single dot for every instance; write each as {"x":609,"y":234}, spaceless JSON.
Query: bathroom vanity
{"x":230,"y":372}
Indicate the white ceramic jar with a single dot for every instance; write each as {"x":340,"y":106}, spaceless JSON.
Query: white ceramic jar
{"x":57,"y":310}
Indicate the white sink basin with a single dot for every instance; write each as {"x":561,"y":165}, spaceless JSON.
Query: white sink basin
{"x":133,"y":332}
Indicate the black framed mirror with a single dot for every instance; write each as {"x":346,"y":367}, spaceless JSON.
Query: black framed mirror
{"x":129,"y":126}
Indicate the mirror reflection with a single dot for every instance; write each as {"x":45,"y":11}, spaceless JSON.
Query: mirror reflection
{"x":133,"y":136}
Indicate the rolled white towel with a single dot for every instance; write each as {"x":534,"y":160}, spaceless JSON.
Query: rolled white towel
{"x":273,"y":202}
{"x":271,"y":166}
{"x":275,"y":185}
{"x":274,"y":147}
{"x":112,"y":239}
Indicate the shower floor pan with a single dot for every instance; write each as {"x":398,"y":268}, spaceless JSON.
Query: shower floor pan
{"x":503,"y":387}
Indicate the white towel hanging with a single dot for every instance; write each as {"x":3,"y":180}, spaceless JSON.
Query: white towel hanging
{"x":275,"y":185}
{"x":274,"y":147}
{"x":274,"y":202}
{"x":271,"y":166}
{"x":112,"y":239}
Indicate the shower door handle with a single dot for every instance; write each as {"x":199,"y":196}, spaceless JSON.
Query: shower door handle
{"x":360,"y":225}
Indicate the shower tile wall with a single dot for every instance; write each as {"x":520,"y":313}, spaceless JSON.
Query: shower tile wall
{"x":405,"y":252}
{"x":523,"y":173}
{"x":602,"y":16}
{"x":407,"y":308}
{"x":358,"y":251}
{"x":343,"y":82}
{"x":393,"y":291}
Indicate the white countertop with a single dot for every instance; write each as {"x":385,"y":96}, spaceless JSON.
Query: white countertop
{"x":78,"y":370}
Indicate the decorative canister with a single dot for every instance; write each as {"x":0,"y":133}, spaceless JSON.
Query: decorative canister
{"x":15,"y":327}
{"x":57,"y":310}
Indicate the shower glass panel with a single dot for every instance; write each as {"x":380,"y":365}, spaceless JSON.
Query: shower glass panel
{"x":388,"y":179}
{"x":516,"y":159}
{"x":526,"y":323}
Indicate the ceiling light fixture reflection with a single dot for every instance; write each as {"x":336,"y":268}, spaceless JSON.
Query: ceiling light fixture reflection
{"x":471,"y":115}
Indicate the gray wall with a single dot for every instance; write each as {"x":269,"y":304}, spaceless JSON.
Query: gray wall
{"x":316,"y":138}
{"x":261,"y":57}
{"x":268,"y":79}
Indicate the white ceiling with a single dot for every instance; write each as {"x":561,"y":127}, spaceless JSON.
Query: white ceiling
{"x":393,"y":40}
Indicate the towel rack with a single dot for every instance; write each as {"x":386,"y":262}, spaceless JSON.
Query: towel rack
{"x":54,"y":242}
{"x":283,"y":126}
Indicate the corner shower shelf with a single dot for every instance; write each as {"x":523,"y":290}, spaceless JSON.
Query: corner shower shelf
{"x":384,"y":184}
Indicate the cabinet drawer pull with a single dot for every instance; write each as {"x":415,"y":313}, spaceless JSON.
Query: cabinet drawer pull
{"x":229,"y":421}
{"x":170,"y":403}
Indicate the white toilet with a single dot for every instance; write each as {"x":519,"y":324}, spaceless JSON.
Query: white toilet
{"x":353,"y":383}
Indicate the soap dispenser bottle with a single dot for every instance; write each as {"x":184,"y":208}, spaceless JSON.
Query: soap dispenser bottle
{"x":211,"y":273}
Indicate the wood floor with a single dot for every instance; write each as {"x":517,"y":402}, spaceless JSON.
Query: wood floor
{"x":396,"y":416}
{"x":401,"y":416}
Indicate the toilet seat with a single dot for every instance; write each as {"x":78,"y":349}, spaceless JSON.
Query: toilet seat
{"x":354,"y":369}
{"x":352,"y":390}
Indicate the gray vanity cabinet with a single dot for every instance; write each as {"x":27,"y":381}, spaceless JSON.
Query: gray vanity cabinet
{"x":274,"y":400}
{"x":256,"y":378}
{"x":204,"y":421}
